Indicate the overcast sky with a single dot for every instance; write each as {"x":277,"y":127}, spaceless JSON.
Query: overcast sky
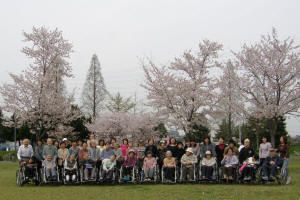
{"x":121,"y":32}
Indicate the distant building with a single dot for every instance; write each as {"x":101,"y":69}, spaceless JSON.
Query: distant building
{"x":175,"y":134}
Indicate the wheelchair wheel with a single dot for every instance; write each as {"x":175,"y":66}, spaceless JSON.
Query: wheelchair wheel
{"x":19,"y":180}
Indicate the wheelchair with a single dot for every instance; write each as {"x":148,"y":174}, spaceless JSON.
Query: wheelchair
{"x":213,"y":179}
{"x":255,"y":176}
{"x":174,"y":180}
{"x":44,"y":179}
{"x":134,"y":175}
{"x":90,"y":179}
{"x":21,"y":178}
{"x":71,"y":181}
{"x":155,"y":176}
{"x":221,"y":178}
{"x":113,"y":179}
{"x":187,"y":179}
{"x":281,"y":176}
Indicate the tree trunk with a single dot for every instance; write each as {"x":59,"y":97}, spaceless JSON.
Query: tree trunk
{"x":273,"y":129}
{"x":229,"y":125}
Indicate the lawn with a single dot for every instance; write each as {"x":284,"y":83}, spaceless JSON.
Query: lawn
{"x":10,"y":191}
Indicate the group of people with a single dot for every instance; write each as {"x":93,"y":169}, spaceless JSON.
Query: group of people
{"x":166,"y":156}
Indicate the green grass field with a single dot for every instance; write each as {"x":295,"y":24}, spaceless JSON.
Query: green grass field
{"x":10,"y":191}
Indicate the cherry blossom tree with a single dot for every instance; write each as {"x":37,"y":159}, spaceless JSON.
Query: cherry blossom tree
{"x":37,"y":96}
{"x":184,"y":90}
{"x":270,"y":74}
{"x":230,"y":102}
{"x":124,"y":124}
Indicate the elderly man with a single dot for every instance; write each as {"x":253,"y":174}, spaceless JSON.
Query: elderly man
{"x":187,"y":161}
{"x":270,"y":165}
{"x":50,"y":149}
{"x":25,"y":151}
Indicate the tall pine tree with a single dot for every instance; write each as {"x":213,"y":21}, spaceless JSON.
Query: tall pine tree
{"x":94,"y":90}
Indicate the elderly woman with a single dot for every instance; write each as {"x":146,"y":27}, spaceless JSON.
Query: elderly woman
{"x":169,"y":166}
{"x":62,"y":154}
{"x":229,"y":162}
{"x":50,"y":149}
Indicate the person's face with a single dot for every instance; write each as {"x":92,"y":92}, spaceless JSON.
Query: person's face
{"x":168,"y":155}
{"x":107,"y":146}
{"x":162,"y":145}
{"x":221,"y":141}
{"x":229,"y":152}
{"x":39,"y":143}
{"x":131,"y":155}
{"x":79,"y":143}
{"x":74,"y":144}
{"x":206,"y":140}
{"x":188,"y":153}
{"x":63,"y":145}
{"x":49,"y":158}
{"x":149,"y":155}
{"x":264,"y":140}
{"x":72,"y":158}
{"x":101,"y":143}
{"x":180,"y":146}
{"x":188,"y":143}
{"x":140,"y":144}
{"x":93,"y":144}
{"x":25,"y":143}
{"x":208,"y":156}
{"x":84,"y":145}
{"x":193,"y":143}
{"x":231,"y":145}
{"x":92,"y":137}
{"x":130,"y":144}
{"x":272,"y":153}
{"x":173,"y":141}
{"x":116,"y":146}
{"x":247,"y":144}
{"x":112,"y":159}
{"x":281,"y":140}
{"x":30,"y":161}
{"x":125,"y":142}
{"x":150,"y":142}
{"x":56,"y":144}
{"x":49,"y":142}
{"x":113,"y":141}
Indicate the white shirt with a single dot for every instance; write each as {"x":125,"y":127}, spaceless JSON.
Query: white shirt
{"x":25,"y":152}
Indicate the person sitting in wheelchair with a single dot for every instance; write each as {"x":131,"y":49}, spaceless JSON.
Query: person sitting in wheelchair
{"x":49,"y":165}
{"x":271,"y":165}
{"x":88,"y":168}
{"x":207,"y":166}
{"x":188,"y":161}
{"x":169,"y":167}
{"x":108,"y":166}
{"x":129,"y":164}
{"x":229,"y":163}
{"x":70,"y":166}
{"x":248,"y":161}
{"x":149,"y":166}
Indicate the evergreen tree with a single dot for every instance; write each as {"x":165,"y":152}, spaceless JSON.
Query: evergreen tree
{"x":94,"y":90}
{"x":118,"y":103}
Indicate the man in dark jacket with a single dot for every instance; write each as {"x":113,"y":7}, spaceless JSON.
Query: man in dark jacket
{"x":271,"y":165}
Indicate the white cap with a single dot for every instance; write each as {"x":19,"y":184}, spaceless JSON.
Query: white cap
{"x":207,"y":153}
{"x":189,"y":150}
{"x":65,"y":139}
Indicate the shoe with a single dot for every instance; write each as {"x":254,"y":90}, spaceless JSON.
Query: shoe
{"x":288,"y":180}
